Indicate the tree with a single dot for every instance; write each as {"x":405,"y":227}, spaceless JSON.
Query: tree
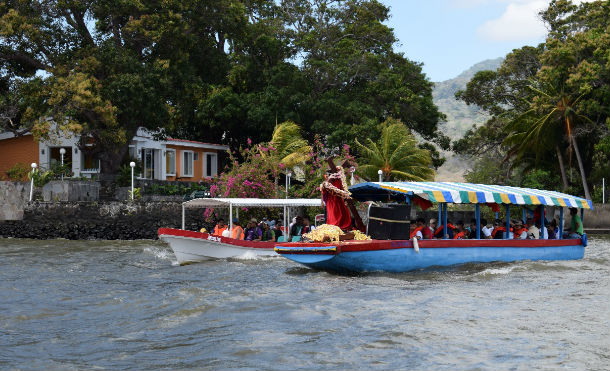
{"x":288,"y":148}
{"x":396,"y":154}
{"x":102,"y":69}
{"x":356,"y":78}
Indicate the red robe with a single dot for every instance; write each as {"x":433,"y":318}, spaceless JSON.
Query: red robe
{"x":336,"y":210}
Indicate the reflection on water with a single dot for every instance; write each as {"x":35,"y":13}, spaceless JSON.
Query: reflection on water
{"x":128,"y":305}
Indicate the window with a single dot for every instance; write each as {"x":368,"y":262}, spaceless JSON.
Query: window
{"x":187,"y":163}
{"x":170,"y":162}
{"x":211,"y":165}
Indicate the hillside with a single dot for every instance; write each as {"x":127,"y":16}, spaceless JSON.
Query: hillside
{"x":460,"y":116}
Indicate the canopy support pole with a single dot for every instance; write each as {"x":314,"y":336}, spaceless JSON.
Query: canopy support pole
{"x":582,"y":217}
{"x":183,"y":224}
{"x":477,"y":214}
{"x":440,"y":214}
{"x":507,"y":221}
{"x":523,"y":218}
{"x":561,"y":223}
{"x":444,"y":221}
{"x":231,"y":218}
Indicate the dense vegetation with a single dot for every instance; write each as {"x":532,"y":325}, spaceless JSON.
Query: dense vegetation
{"x":549,"y":107}
{"x":216,"y":71}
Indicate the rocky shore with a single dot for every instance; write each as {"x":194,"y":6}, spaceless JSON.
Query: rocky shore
{"x":99,"y":220}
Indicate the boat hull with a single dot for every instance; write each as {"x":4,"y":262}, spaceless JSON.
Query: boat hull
{"x":402,"y":256}
{"x":191,"y":247}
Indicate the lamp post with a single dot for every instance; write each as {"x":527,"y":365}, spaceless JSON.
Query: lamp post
{"x":32,"y":182}
{"x":380,"y":172}
{"x":132,"y":165}
{"x":62,"y":152}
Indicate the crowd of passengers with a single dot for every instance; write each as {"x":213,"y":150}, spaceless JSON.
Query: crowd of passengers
{"x":264,"y":230}
{"x":531,"y":229}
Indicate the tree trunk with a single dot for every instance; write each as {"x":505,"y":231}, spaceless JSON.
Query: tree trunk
{"x":582,"y":169}
{"x":564,"y":178}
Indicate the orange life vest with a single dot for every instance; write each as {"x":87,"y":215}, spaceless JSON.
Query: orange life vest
{"x":518,"y":233}
{"x":218,"y":231}
{"x":496,"y":230}
{"x":460,"y":236}
{"x":414,"y":233}
{"x":237,"y":233}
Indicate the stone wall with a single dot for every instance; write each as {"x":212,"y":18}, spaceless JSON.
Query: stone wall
{"x":97,"y":220}
{"x":71,"y":190}
{"x":13,"y":198}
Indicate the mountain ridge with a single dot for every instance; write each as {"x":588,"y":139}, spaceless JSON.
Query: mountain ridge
{"x":460,"y":116}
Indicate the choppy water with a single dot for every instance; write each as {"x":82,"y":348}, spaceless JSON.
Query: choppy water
{"x":127,"y":305}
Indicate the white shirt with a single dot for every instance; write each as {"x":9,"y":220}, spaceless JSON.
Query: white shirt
{"x":419,"y":235}
{"x":487,"y":231}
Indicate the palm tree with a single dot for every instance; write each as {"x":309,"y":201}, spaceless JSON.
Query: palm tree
{"x":396,"y":154}
{"x":288,"y":146}
{"x":553,"y":112}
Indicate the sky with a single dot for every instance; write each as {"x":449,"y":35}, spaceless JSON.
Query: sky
{"x":449,"y":36}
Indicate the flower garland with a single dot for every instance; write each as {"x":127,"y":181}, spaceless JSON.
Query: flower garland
{"x":326,"y":185}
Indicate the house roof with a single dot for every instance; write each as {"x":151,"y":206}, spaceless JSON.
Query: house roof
{"x":193,"y":143}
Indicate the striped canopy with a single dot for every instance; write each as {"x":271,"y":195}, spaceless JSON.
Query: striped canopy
{"x":466,"y":193}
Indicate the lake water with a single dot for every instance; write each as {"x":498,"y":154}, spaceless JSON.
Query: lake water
{"x":127,"y":305}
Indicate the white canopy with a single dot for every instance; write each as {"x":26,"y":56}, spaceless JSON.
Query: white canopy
{"x":252,"y":202}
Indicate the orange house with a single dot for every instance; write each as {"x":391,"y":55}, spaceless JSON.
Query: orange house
{"x":169,"y":159}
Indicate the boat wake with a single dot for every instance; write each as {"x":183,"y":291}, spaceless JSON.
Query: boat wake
{"x":163,"y":254}
{"x":496,"y":271}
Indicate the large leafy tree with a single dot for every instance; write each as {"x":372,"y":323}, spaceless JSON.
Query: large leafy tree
{"x":559,"y":106}
{"x":357,"y":80}
{"x":104,"y":68}
{"x":396,"y":154}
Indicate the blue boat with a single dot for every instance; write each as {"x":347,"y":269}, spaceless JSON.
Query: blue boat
{"x":403,"y":255}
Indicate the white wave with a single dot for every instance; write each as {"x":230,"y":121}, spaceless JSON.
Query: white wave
{"x":160,"y":253}
{"x":489,"y":271}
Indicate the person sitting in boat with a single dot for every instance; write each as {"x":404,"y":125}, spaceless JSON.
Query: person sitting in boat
{"x":553,"y":230}
{"x":417,"y":230}
{"x":485,"y":230}
{"x":268,"y":234}
{"x":576,"y":229}
{"x":297,"y":227}
{"x":426,"y":231}
{"x":450,"y":231}
{"x":520,"y":231}
{"x":432,"y":227}
{"x":472,"y":229}
{"x":277,"y":230}
{"x":237,"y":232}
{"x":219,"y":228}
{"x":498,"y":231}
{"x":462,"y":233}
{"x":307,"y":227}
{"x":253,"y":232}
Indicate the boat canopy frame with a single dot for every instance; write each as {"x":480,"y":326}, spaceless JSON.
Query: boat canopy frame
{"x":220,"y":202}
{"x":443,"y":193}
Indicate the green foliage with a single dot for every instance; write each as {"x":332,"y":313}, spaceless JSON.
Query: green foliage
{"x":396,"y":154}
{"x":123,"y":178}
{"x":219,"y":71}
{"x":550,"y":102}
{"x":41,"y":177}
{"x":18,"y":172}
{"x":135,"y":195}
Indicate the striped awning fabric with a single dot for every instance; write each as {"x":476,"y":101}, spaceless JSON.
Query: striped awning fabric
{"x":463,"y":193}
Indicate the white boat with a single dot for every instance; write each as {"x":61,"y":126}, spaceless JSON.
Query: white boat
{"x":191,"y":246}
